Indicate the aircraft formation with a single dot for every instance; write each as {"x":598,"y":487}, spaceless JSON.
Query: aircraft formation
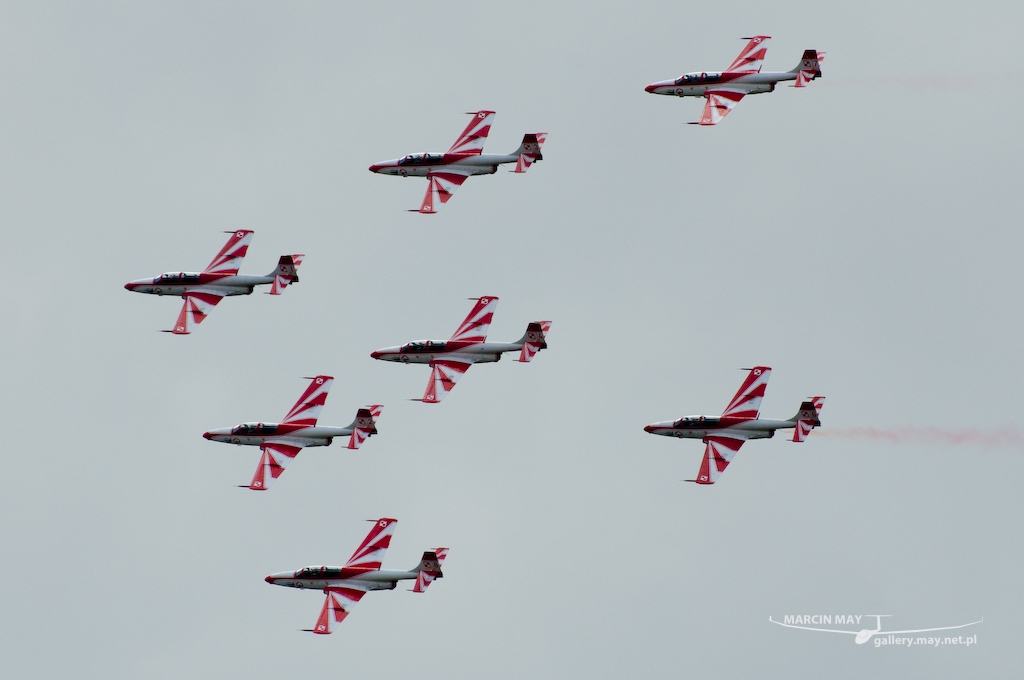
{"x":281,"y":442}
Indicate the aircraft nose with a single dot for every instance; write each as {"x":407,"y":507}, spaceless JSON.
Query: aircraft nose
{"x":375,"y":354}
{"x":648,"y":428}
{"x":269,"y":579}
{"x":207,"y":435}
{"x":650,"y":88}
{"x":375,"y":168}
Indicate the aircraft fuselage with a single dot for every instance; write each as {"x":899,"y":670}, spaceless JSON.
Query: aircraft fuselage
{"x":699,"y":84}
{"x":427,"y":351}
{"x":423,"y":164}
{"x":179,"y":283}
{"x":700,"y":427}
{"x":319,"y":578}
{"x":257,"y":434}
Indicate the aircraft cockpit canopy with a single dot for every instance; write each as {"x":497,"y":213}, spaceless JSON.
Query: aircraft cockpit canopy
{"x":423,"y":346}
{"x":254,"y":429}
{"x":421,"y":159}
{"x":698,"y":78}
{"x":178,"y":277}
{"x":317,"y":572}
{"x":696,"y":421}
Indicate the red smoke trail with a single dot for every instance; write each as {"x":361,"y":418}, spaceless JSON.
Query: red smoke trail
{"x":1009,"y":437}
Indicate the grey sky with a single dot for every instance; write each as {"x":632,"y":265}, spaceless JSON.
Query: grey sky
{"x":860,"y":236}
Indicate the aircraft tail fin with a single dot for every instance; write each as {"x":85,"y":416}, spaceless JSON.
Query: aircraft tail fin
{"x":534,"y":340}
{"x":286,"y":273}
{"x":809,"y":67}
{"x":364,"y":426}
{"x":806,"y":418}
{"x":429,"y":568}
{"x":529,"y":151}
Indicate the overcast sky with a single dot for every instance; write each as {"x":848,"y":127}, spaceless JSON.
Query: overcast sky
{"x":861,"y":236}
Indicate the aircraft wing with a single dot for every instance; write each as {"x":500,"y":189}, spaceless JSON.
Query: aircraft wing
{"x":747,"y":402}
{"x":476,"y":324}
{"x":752,"y":56}
{"x":275,"y":459}
{"x":718,"y":453}
{"x":444,"y":374}
{"x":442,"y":185}
{"x":718,"y":105}
{"x":337,"y":606}
{"x":198,"y":303}
{"x":472,"y":139}
{"x":230,"y":257}
{"x":307,"y":409}
{"x":370,"y":552}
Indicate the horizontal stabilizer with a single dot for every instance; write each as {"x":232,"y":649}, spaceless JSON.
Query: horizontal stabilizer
{"x":429,"y":568}
{"x":364,"y":426}
{"x":807,"y":418}
{"x":287,"y":272}
{"x":534,"y":340}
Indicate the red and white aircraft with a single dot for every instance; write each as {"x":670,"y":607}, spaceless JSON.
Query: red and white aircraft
{"x":202,"y":291}
{"x":468,"y":346}
{"x":447,"y":171}
{"x":724,"y":89}
{"x":724,"y":435}
{"x":344,"y":586}
{"x":281,"y":442}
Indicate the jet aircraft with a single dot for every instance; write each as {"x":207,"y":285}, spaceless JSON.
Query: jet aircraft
{"x":202,"y":291}
{"x":468,"y":346}
{"x":281,"y":442}
{"x":724,"y":90}
{"x":447,"y":171}
{"x":724,"y":435}
{"x":344,"y":586}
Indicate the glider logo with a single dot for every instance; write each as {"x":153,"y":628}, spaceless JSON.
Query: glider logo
{"x":239,"y":234}
{"x":882,"y":637}
{"x":757,"y":371}
{"x":319,"y":381}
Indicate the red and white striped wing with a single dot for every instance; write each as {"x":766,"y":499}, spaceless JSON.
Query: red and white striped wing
{"x":307,"y":408}
{"x":476,"y":324}
{"x":747,"y":402}
{"x":752,"y":56}
{"x":274,"y":460}
{"x":534,"y":341}
{"x":718,"y":453}
{"x":337,"y":606}
{"x":365,"y":425}
{"x":440,"y":188}
{"x":443,"y":376}
{"x":473,"y":137}
{"x":230,"y":257}
{"x":198,"y":304}
{"x":370,"y":552}
{"x":425,"y":578}
{"x":281,"y":282}
{"x":718,"y":105}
